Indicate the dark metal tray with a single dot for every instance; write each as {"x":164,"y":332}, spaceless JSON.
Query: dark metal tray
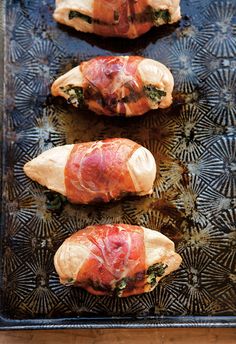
{"x":194,"y":145}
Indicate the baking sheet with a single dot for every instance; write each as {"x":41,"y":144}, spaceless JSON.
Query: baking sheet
{"x":195,"y":149}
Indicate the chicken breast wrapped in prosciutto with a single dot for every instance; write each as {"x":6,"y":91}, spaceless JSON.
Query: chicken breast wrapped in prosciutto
{"x":116,"y":259}
{"x":111,"y":85}
{"x":98,"y":171}
{"x":122,"y":18}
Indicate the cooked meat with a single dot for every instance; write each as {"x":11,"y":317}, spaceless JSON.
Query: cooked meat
{"x":125,"y":85}
{"x":116,"y":259}
{"x":97,"y":171}
{"x":122,"y":18}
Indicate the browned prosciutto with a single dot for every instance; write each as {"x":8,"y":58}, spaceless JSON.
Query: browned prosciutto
{"x":125,"y":85}
{"x":97,"y":171}
{"x":122,"y":18}
{"x":116,"y":259}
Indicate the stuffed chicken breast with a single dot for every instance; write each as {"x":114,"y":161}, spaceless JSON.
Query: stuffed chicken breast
{"x":116,"y":259}
{"x":125,"y":85}
{"x":97,"y":171}
{"x":122,"y":18}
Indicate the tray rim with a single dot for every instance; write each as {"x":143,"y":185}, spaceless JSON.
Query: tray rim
{"x":118,"y":322}
{"x":217,"y":321}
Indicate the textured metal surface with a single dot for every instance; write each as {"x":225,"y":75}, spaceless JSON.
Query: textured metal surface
{"x":194,"y":143}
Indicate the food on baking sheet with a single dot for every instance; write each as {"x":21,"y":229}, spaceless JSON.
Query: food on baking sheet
{"x":97,"y":171}
{"x":122,"y":18}
{"x":125,"y":85}
{"x":116,"y":259}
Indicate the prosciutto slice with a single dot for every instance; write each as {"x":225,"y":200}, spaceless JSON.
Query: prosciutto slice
{"x":116,"y":259}
{"x":121,"y":18}
{"x":98,"y":171}
{"x":110,"y":85}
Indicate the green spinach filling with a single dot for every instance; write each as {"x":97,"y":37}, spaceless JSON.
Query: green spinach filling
{"x":75,"y":93}
{"x":128,"y":283}
{"x":70,"y":281}
{"x":149,"y":15}
{"x":154,"y":271}
{"x":77,"y":96}
{"x":87,"y":19}
{"x":154,"y":93}
{"x":75,"y":14}
{"x":161,"y":16}
{"x":121,"y":285}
